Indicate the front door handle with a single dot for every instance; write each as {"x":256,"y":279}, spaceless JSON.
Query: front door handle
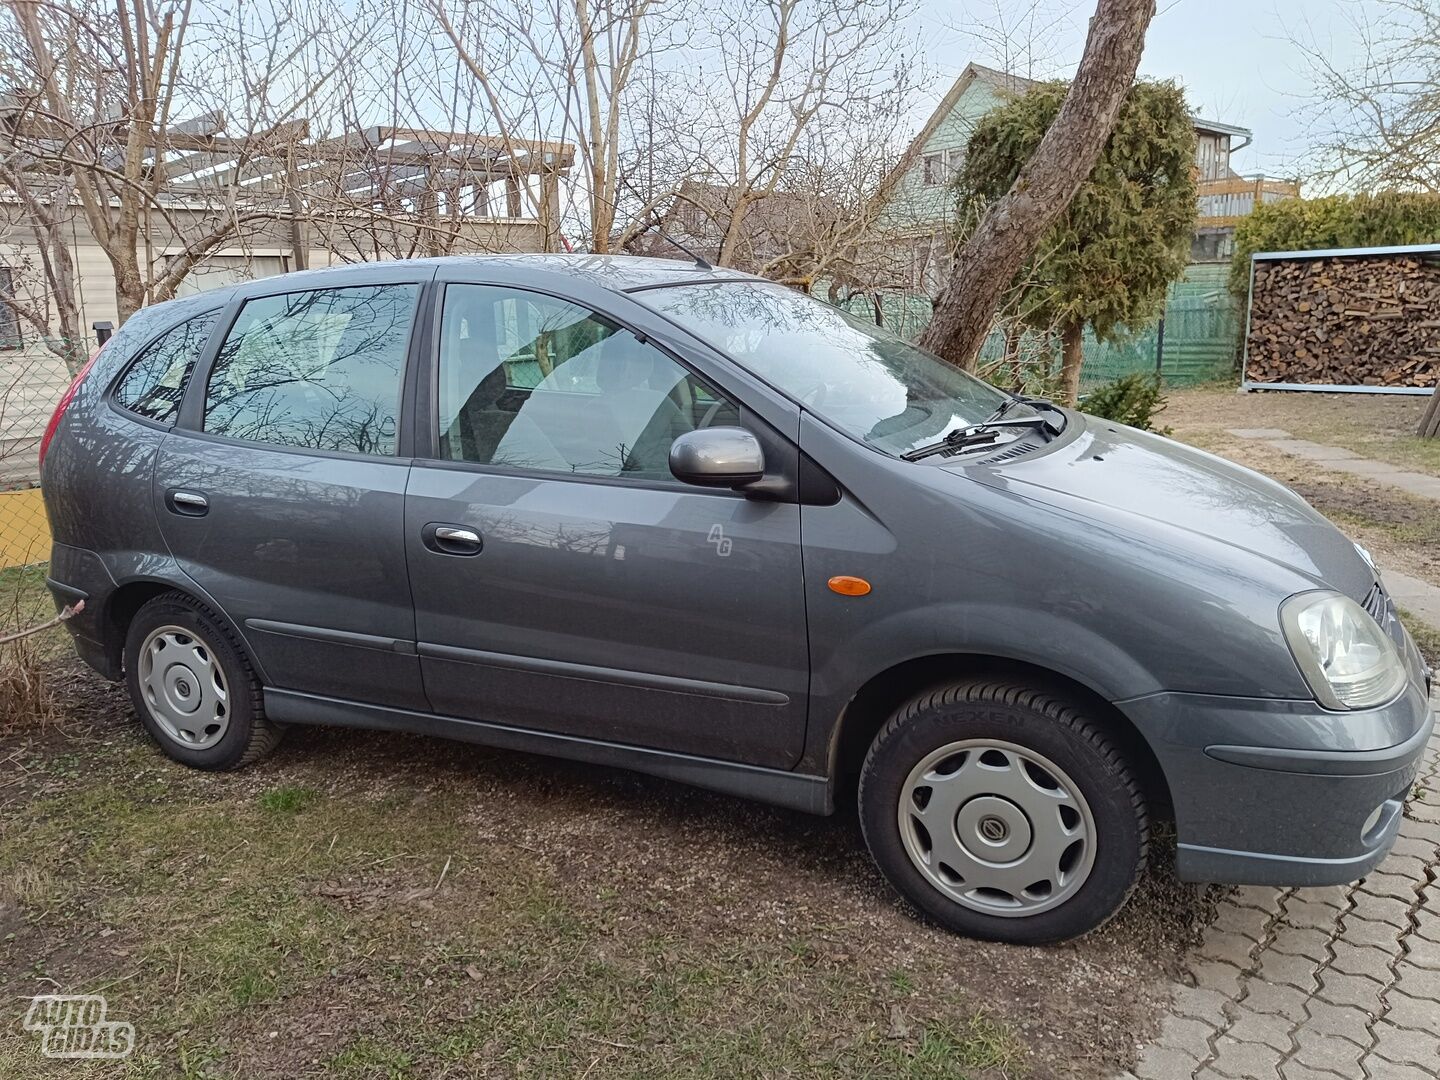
{"x":452,"y":539}
{"x":187,"y":503}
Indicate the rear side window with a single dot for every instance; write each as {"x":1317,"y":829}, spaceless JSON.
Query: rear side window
{"x":319,"y":369}
{"x":155,"y":381}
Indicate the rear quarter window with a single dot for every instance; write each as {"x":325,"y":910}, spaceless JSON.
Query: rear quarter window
{"x":155,"y":381}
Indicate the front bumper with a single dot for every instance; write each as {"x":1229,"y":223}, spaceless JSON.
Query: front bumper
{"x":1270,"y":792}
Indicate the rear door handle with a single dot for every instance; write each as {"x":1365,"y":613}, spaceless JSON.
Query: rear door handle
{"x":452,"y":539}
{"x":187,"y":503}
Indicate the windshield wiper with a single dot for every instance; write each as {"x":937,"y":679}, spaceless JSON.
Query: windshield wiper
{"x":984,"y":433}
{"x":981,"y":434}
{"x":1037,"y":404}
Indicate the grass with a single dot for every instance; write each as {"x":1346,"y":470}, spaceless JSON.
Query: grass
{"x":287,"y":800}
{"x":359,"y":930}
{"x":26,"y":699}
{"x":1427,"y":637}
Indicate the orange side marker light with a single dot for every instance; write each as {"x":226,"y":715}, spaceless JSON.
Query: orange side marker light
{"x":846,"y":585}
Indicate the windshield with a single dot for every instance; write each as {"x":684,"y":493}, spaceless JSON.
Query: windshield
{"x":861,"y":378}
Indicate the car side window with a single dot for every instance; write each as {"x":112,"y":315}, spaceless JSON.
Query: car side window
{"x":533,"y":382}
{"x":320,"y":369}
{"x":155,"y":381}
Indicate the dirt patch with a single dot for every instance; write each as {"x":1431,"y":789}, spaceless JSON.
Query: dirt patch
{"x":1379,"y":426}
{"x":363,"y":904}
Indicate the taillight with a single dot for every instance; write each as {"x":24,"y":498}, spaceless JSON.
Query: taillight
{"x":65,"y":401}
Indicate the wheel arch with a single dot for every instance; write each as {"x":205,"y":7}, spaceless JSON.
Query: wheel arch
{"x":130,"y":596}
{"x":883,"y":692}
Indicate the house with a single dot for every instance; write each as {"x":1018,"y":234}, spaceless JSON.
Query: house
{"x":920,"y":205}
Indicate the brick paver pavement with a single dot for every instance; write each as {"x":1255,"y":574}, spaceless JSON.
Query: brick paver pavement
{"x":1315,"y":984}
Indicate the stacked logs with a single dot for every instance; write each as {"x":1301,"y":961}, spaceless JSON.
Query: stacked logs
{"x":1347,"y":321}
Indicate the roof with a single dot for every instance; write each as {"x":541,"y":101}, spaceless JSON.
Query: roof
{"x":1010,"y":84}
{"x":618,"y":273}
{"x":1001,"y":81}
{"x":1221,"y":129}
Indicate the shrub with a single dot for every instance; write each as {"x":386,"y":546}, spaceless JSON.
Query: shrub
{"x":1134,"y":399}
{"x":1337,"y":221}
{"x":27,"y":699}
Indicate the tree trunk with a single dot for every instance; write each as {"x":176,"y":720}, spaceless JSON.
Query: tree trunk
{"x":129,"y":286}
{"x":1016,"y":222}
{"x":1072,"y":357}
{"x":1430,"y":422}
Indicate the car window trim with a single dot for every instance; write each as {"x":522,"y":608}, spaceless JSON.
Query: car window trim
{"x":114,"y":387}
{"x":427,"y":412}
{"x":289,"y":448}
{"x":191,"y":418}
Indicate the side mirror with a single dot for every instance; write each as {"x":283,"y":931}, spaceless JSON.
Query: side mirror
{"x":717,"y":457}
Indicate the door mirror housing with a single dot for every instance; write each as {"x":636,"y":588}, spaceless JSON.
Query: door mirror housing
{"x":728,"y":457}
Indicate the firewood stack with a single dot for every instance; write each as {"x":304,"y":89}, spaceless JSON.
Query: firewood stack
{"x":1351,"y":321}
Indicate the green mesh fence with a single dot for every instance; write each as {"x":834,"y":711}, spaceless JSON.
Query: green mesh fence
{"x":1201,"y":333}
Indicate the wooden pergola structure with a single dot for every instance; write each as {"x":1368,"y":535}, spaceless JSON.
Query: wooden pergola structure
{"x":430,"y":178}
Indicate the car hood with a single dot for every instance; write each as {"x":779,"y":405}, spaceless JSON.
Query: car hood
{"x":1184,"y":489}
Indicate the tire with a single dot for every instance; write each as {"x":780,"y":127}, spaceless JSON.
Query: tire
{"x":1037,"y":791}
{"x":194,"y":687}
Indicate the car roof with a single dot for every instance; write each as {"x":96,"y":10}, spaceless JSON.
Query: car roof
{"x":619,"y":273}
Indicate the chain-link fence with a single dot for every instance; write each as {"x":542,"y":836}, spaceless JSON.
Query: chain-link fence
{"x":32,"y":379}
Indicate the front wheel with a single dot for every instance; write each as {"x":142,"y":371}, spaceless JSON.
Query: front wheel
{"x":1003,"y":813}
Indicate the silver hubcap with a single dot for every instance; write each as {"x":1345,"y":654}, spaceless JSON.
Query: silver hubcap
{"x":184,"y":687}
{"x":996,"y":827}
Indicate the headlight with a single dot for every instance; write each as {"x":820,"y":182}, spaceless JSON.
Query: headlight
{"x":1349,"y":662}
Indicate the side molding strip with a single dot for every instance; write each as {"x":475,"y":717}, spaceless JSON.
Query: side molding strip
{"x":593,"y":673}
{"x":334,"y":637}
{"x":797,"y":791}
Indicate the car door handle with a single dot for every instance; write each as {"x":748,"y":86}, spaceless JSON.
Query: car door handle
{"x":452,"y":539}
{"x":187,"y":503}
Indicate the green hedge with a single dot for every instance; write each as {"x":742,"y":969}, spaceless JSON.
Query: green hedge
{"x":1337,"y":221}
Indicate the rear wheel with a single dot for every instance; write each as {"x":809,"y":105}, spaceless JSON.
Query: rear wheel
{"x":1004,"y":813}
{"x":193,"y":686}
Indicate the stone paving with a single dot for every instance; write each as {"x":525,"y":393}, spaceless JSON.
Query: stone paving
{"x":1314,"y":984}
{"x":1342,"y":460}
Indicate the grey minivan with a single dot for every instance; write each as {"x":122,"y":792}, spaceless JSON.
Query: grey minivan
{"x":651,"y":514}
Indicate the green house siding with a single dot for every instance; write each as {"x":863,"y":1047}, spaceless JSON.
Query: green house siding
{"x":918,"y":205}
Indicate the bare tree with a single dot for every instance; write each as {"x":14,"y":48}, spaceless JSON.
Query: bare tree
{"x":1022,"y":39}
{"x":40,"y":292}
{"x":1012,"y":227}
{"x":1374,"y":121}
{"x":737,"y":112}
{"x":566,"y":69}
{"x":150,"y":125}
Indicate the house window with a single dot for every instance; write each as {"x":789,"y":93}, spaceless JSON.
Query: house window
{"x":940,"y":168}
{"x":9,"y":317}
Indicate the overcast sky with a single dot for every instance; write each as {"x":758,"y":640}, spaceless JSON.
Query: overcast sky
{"x":1234,"y":57}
